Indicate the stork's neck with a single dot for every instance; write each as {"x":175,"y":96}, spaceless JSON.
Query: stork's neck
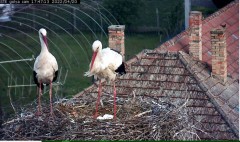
{"x":44,"y":47}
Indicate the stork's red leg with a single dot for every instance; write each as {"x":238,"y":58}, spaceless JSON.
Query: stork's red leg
{"x":39,"y":99}
{"x":98,"y":99}
{"x":50,"y":95}
{"x":114,"y":99}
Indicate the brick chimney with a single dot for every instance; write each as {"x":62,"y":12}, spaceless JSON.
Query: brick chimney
{"x":116,"y":38}
{"x":219,"y":54}
{"x":195,"y":24}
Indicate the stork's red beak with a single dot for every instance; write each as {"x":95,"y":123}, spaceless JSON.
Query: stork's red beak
{"x":93,"y":59}
{"x":45,"y":40}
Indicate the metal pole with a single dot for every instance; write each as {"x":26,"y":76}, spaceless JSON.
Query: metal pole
{"x":157,"y":14}
{"x":21,"y":60}
{"x":74,"y":20}
{"x":30,"y":83}
{"x":15,"y":88}
{"x":187,"y":4}
{"x":100,"y":19}
{"x":34,"y":19}
{"x":22,"y":88}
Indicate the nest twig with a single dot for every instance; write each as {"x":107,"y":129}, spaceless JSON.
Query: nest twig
{"x":138,"y":119}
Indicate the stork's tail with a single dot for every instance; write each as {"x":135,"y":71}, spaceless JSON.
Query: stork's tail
{"x":121,"y":69}
{"x":88,"y":74}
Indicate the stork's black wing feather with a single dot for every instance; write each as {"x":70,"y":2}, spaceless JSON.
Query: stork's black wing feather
{"x":55,"y":76}
{"x":36,"y":80}
{"x":116,"y":51}
{"x":121,"y":69}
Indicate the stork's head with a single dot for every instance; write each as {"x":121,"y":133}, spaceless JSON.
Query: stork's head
{"x":43,"y":35}
{"x":96,"y":47}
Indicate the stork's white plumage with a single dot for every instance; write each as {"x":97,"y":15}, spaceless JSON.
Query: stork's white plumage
{"x":45,"y":69}
{"x":105,"y":64}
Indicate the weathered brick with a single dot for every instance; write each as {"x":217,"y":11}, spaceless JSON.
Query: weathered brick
{"x":116,"y":38}
{"x":195,"y":22}
{"x":219,"y":54}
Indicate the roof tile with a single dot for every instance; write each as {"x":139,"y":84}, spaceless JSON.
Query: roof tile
{"x":235,"y":75}
{"x":233,"y":101}
{"x":233,"y":29}
{"x":217,"y":89}
{"x":227,"y":111}
{"x":210,"y":82}
{"x":232,"y":20}
{"x":207,"y":46}
{"x":227,"y":94}
{"x":232,"y":48}
{"x":206,"y":28}
{"x":230,"y":61}
{"x":230,"y":70}
{"x":216,"y":21}
{"x":236,"y":67}
{"x":232,"y":118}
{"x":236,"y":34}
{"x":203,"y":75}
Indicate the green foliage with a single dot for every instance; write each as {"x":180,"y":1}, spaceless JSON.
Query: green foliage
{"x":125,"y":11}
{"x":175,"y":19}
{"x":205,"y":10}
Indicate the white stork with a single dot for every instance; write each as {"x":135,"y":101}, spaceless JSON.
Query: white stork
{"x":45,"y":69}
{"x":105,"y":64}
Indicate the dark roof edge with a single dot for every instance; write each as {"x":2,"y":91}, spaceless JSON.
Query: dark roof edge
{"x":188,"y":62}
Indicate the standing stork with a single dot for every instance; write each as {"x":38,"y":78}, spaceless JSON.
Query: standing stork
{"x":45,"y":69}
{"x":105,"y":64}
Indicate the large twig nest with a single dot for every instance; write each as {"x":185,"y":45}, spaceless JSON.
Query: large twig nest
{"x":138,"y":118}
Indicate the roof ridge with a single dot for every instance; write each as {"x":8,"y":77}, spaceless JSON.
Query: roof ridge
{"x":220,"y":11}
{"x":176,"y":38}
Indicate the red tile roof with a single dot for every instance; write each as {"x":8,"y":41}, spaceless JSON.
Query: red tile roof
{"x":228,"y":15}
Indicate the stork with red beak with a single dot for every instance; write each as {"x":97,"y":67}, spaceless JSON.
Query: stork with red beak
{"x":105,"y":64}
{"x":45,"y":69}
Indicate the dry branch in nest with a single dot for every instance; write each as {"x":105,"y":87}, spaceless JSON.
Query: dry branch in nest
{"x":139,"y":118}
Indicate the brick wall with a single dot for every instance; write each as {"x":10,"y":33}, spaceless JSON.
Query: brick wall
{"x":219,"y":54}
{"x":116,"y":38}
{"x":195,"y":23}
